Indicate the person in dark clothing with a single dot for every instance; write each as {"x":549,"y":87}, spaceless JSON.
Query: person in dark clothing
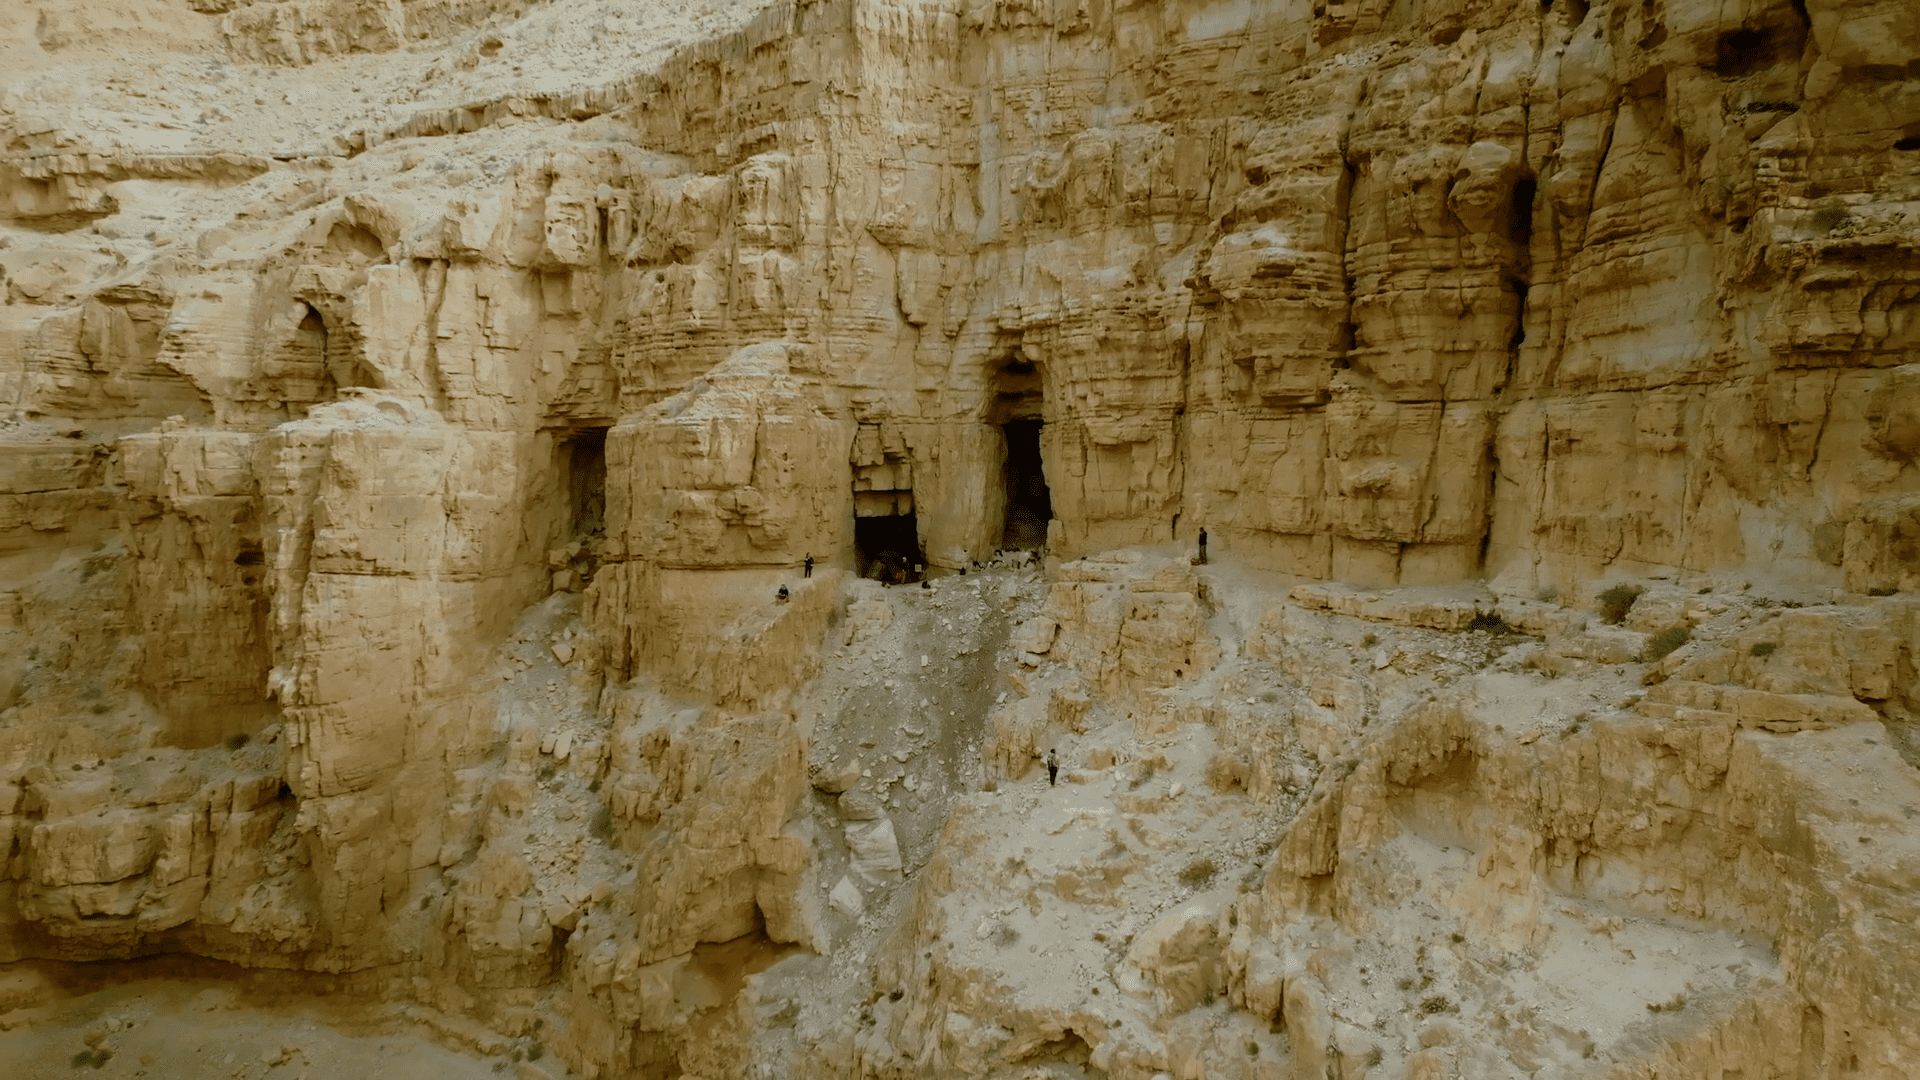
{"x":807,"y":568}
{"x":1053,"y":767}
{"x":1202,"y":560}
{"x":781,"y":596}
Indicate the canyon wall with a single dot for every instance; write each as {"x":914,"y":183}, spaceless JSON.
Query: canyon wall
{"x":395,"y":482}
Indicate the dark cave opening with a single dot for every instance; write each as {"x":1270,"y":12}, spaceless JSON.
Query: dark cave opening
{"x":1524,"y":190}
{"x":1018,"y":409}
{"x":584,"y":455}
{"x":886,"y":548}
{"x":1029,"y":502}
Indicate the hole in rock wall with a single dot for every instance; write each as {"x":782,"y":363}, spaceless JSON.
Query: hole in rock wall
{"x":1522,"y":216}
{"x":1069,"y":1049}
{"x":1029,"y":503}
{"x":585,"y":456}
{"x":1018,"y":401}
{"x":1750,"y":49}
{"x":576,"y":506}
{"x":887,"y":547}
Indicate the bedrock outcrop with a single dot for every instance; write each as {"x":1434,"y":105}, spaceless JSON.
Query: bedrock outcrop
{"x":415,"y":419}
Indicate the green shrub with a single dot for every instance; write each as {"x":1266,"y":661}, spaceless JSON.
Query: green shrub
{"x":1198,"y":874}
{"x":1438,"y":1003}
{"x":1616,"y":602}
{"x":235,"y":742}
{"x":1664,"y":642}
{"x":1763,"y":648}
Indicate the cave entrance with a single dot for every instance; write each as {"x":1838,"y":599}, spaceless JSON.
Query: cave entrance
{"x":1029,"y":503}
{"x":577,"y":505}
{"x":887,"y":547}
{"x":1017,"y":410}
{"x":583,"y":457}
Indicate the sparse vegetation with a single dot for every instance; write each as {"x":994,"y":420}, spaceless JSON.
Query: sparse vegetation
{"x":235,"y":742}
{"x":1547,"y":594}
{"x":1882,"y":590}
{"x":1005,"y":936}
{"x":1143,"y":771}
{"x":1375,"y":1055}
{"x":1616,"y":601}
{"x":1763,"y":648}
{"x":1370,"y":640}
{"x":601,"y":827}
{"x":1673,"y":1004}
{"x":1661,"y":644}
{"x":537,"y":1051}
{"x":91,"y":1058}
{"x":1491,"y":622}
{"x":1198,"y":874}
{"x":1438,"y":1003}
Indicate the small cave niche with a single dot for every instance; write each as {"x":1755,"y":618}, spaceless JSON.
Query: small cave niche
{"x":1029,"y":503}
{"x":1017,"y":409}
{"x":578,"y":505}
{"x":1069,"y":1049}
{"x":886,"y":547}
{"x":1750,"y":49}
{"x":300,"y":372}
{"x":583,"y":453}
{"x":351,"y":243}
{"x":1521,"y":218}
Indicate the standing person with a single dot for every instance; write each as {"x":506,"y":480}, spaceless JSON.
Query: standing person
{"x":807,"y":571}
{"x":1202,"y":560}
{"x":1053,"y":767}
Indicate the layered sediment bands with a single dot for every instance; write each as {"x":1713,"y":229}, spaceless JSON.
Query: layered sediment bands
{"x":402,"y":522}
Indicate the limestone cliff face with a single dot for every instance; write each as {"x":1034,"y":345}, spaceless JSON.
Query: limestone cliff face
{"x":392,"y":503}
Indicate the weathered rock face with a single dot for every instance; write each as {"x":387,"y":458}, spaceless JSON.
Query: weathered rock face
{"x":404,"y":485}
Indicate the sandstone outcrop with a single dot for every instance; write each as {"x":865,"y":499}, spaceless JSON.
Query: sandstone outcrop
{"x":485,"y":489}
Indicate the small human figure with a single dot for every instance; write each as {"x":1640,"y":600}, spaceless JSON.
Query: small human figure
{"x":1202,"y":560}
{"x":806,"y":570}
{"x":781,"y":596}
{"x":1053,"y":767}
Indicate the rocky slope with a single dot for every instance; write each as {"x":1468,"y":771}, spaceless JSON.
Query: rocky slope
{"x":409,"y":410}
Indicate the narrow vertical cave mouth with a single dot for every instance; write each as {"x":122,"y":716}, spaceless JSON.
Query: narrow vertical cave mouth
{"x":585,"y":451}
{"x":887,"y":547}
{"x":1018,"y":409}
{"x":1029,"y":503}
